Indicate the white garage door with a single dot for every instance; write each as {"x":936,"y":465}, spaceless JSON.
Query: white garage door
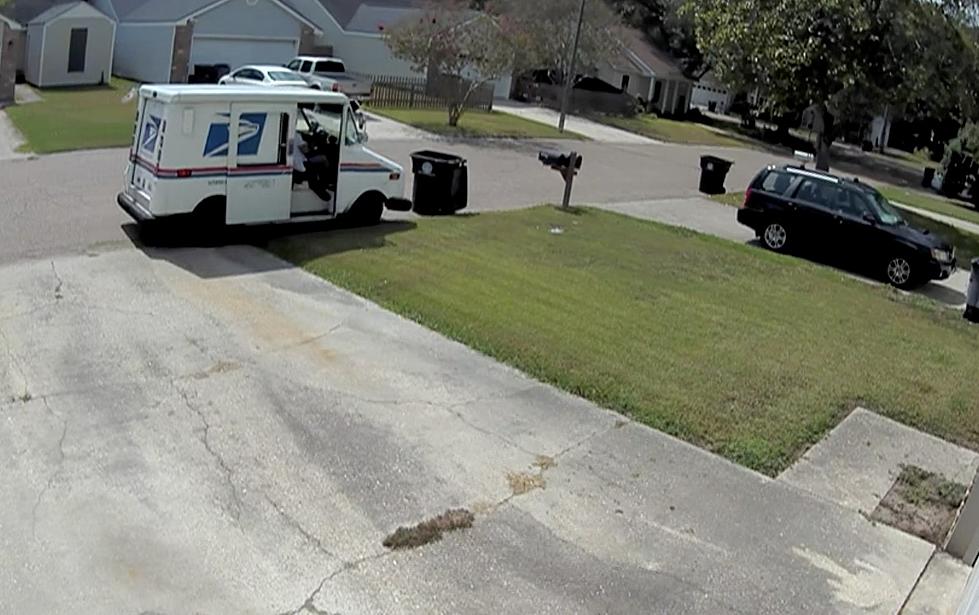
{"x":236,"y":52}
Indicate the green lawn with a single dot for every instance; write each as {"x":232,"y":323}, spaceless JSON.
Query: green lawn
{"x":77,"y":118}
{"x":935,"y":203}
{"x":672,"y":131}
{"x":966,"y":244}
{"x":474,"y":124}
{"x":732,"y":348}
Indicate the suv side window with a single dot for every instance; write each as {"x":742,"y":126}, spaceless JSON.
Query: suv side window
{"x":776,"y":182}
{"x":294,"y":65}
{"x":306,"y":67}
{"x":819,"y":193}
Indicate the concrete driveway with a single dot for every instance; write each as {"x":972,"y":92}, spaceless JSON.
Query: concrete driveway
{"x":210,"y":431}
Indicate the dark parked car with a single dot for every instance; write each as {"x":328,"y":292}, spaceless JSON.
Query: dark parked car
{"x":791,"y":207}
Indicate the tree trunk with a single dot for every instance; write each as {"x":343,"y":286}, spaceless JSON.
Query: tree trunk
{"x":455,"y":112}
{"x":824,"y":136}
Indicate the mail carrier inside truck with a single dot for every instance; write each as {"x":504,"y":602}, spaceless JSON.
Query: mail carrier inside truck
{"x":248,"y":155}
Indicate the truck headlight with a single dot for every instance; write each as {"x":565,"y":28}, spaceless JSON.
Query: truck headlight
{"x":942,"y":256}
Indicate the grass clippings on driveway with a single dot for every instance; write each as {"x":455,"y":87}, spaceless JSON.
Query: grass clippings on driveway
{"x":672,"y":131}
{"x":474,"y":124}
{"x":77,"y":118}
{"x":746,"y":353}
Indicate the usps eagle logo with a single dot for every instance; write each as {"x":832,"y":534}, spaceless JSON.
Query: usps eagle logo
{"x":249,"y":132}
{"x":151,"y":133}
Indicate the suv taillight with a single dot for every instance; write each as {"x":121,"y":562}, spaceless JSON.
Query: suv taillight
{"x":747,"y":195}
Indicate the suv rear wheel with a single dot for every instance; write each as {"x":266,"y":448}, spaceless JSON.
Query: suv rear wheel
{"x":901,"y":272}
{"x":775,"y":236}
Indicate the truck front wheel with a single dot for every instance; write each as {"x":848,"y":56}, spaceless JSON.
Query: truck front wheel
{"x":367,"y":210}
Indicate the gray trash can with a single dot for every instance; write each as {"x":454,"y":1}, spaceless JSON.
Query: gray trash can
{"x":972,"y":298}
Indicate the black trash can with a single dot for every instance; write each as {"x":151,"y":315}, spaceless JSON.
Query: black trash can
{"x":972,"y":297}
{"x":441,"y":183}
{"x":713,"y":171}
{"x":928,"y":176}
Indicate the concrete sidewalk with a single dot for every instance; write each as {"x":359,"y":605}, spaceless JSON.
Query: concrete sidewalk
{"x":10,"y":139}
{"x":584,"y":127}
{"x":964,"y":225}
{"x":209,"y":430}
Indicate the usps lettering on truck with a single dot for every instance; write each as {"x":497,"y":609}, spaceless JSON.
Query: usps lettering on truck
{"x":250,"y":129}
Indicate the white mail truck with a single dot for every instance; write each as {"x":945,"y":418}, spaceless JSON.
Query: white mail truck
{"x":250,"y":155}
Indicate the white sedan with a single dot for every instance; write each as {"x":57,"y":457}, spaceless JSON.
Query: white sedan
{"x":268,"y":76}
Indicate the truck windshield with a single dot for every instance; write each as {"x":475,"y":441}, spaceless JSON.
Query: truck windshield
{"x":329,"y":66}
{"x":323,"y":117}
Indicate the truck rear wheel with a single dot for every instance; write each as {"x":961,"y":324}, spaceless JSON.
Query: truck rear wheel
{"x":209,"y":216}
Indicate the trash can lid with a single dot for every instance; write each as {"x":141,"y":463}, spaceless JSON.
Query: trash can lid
{"x":434,"y":156}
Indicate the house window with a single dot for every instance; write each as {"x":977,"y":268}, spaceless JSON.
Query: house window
{"x":77,"y":47}
{"x":657,"y":91}
{"x":625,"y":82}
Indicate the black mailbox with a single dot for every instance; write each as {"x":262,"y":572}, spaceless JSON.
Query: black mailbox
{"x":559,"y":161}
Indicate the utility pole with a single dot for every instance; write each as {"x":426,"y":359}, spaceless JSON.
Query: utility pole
{"x":569,"y":78}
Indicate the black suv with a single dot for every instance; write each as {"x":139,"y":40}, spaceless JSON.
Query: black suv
{"x":792,"y":207}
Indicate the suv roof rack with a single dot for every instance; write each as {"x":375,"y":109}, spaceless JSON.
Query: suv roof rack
{"x":801,"y":170}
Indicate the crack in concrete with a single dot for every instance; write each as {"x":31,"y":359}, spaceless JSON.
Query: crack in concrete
{"x":54,"y":475}
{"x":60,"y":283}
{"x":293,"y":523}
{"x":309,"y":605}
{"x":237,"y":505}
{"x":310,"y":340}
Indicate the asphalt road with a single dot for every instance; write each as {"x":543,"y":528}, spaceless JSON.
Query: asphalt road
{"x":212,"y":431}
{"x":66,"y":202}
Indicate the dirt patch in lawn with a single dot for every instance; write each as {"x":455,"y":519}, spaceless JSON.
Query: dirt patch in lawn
{"x":921,"y":503}
{"x":430,"y":530}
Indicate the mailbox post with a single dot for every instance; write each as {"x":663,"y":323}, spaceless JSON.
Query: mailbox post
{"x":567,"y":165}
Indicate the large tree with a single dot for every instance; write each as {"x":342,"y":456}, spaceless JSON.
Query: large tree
{"x":543,"y":32}
{"x":833,"y":56}
{"x":458,"y":48}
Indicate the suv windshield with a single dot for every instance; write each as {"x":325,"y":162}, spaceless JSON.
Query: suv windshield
{"x":885,"y":212}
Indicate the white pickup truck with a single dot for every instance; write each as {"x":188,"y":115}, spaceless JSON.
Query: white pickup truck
{"x":330,"y":75}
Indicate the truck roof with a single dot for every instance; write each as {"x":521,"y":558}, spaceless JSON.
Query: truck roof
{"x":249,"y":93}
{"x":318,"y":58}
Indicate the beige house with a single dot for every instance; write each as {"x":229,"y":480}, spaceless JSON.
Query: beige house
{"x":650,"y":74}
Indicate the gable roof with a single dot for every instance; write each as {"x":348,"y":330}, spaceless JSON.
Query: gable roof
{"x":344,"y":11}
{"x":10,"y":22}
{"x":58,"y":10}
{"x":23,"y":11}
{"x":372,"y":18}
{"x":175,"y":11}
{"x":643,"y":53}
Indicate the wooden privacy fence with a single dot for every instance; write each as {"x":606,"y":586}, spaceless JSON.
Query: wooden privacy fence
{"x":421,"y":93}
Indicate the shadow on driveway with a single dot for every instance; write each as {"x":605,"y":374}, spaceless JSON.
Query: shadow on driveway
{"x":181,"y":246}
